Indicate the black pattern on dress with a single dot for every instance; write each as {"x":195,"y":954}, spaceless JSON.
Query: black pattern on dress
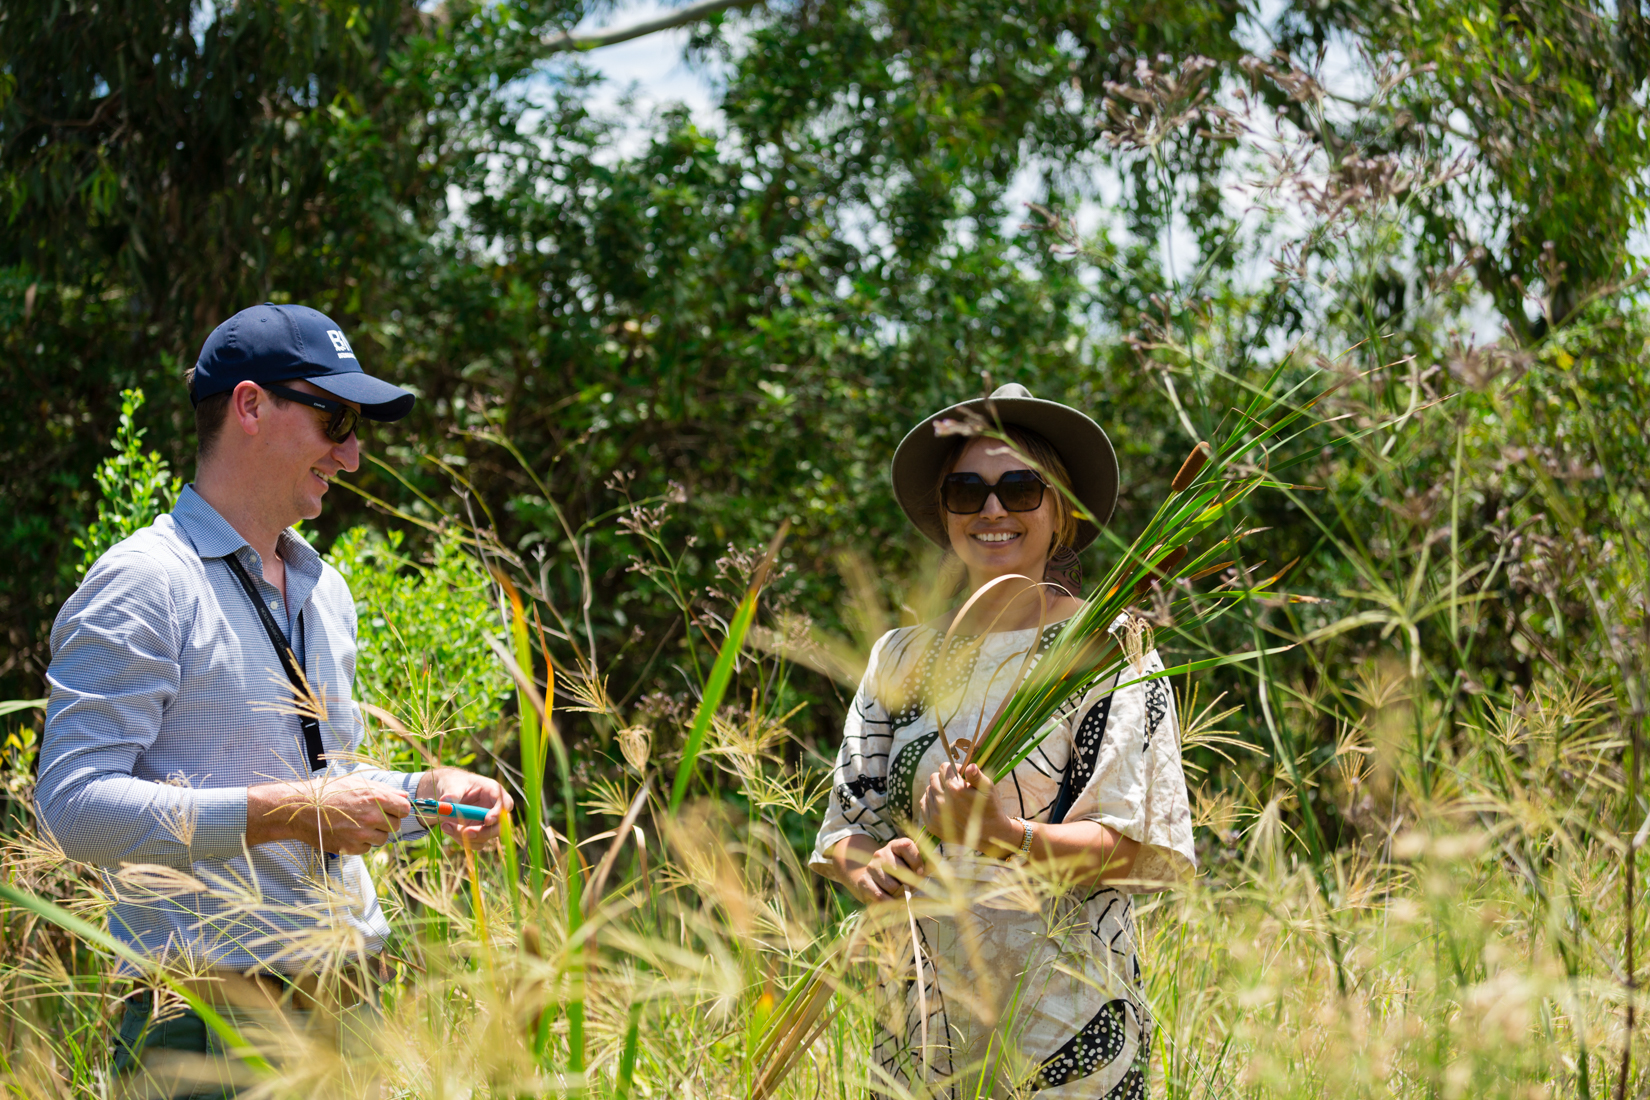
{"x":1157,"y":708}
{"x":1085,"y":753}
{"x":1133,"y":1084}
{"x":902,"y":804}
{"x":900,"y":1056}
{"x":1098,"y":1044}
{"x":859,"y":786}
{"x":912,"y":695}
{"x":861,"y":796}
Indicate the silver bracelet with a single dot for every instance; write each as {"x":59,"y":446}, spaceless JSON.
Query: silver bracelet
{"x":1025,"y":845}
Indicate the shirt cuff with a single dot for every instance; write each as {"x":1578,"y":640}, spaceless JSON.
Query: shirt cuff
{"x":220,"y":822}
{"x":412,"y":826}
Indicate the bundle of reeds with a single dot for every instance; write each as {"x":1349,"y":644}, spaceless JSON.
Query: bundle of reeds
{"x":1210,"y":484}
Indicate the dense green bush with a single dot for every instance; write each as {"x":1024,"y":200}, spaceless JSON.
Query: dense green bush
{"x":423,"y":655}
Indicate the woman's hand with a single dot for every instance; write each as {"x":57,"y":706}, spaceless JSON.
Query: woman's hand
{"x":879,"y":874}
{"x":961,"y":807}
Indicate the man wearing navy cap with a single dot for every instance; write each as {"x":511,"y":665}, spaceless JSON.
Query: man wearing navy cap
{"x":201,"y":715}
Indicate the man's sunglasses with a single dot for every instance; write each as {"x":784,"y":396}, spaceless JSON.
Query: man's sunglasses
{"x":1017,"y":491}
{"x":341,"y":418}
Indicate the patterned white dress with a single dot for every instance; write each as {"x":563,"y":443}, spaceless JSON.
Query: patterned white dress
{"x":1040,"y":995}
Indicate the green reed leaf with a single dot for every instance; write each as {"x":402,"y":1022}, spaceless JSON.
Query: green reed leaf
{"x":96,"y":936}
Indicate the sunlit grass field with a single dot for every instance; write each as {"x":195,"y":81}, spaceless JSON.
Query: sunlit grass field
{"x":1467,"y":929}
{"x":1469,"y":947}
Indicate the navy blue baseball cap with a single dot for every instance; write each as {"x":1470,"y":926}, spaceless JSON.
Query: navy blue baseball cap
{"x":271,"y":343}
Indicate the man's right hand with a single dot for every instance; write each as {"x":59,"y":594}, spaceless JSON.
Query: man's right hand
{"x":879,"y":874}
{"x":341,"y":814}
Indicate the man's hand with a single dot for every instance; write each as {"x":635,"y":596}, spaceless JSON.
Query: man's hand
{"x":879,"y":874}
{"x":457,"y":785}
{"x":961,"y":807}
{"x":341,"y":814}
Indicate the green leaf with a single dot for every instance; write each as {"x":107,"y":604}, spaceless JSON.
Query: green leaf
{"x":66,"y":920}
{"x":715,"y":687}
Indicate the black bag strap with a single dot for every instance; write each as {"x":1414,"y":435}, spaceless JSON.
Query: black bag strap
{"x":289,"y":662}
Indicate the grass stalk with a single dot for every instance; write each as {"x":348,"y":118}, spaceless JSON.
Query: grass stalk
{"x":97,"y":937}
{"x":532,"y":743}
{"x":626,"y":1075}
{"x":573,"y":912}
{"x":512,"y":871}
{"x":716,"y":685}
{"x":477,"y":904}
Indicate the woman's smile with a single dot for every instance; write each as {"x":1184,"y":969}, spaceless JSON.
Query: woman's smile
{"x":995,"y":537}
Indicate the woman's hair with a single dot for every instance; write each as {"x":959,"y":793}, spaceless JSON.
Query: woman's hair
{"x":1045,"y":460}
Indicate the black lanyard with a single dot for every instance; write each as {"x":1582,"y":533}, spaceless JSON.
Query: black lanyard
{"x":289,"y":662}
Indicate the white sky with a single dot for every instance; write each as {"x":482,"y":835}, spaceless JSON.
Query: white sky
{"x":652,"y":66}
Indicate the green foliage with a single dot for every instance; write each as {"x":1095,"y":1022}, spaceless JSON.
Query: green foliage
{"x":17,"y":752}
{"x":754,"y":314}
{"x":742,"y":321}
{"x":422,"y":651}
{"x":134,"y":486}
{"x":1548,"y":98}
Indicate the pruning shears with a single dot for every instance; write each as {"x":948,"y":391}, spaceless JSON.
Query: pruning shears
{"x":450,"y":809}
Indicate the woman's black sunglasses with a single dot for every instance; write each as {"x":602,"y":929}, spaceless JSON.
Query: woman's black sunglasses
{"x":1017,"y":491}
{"x":341,"y":418}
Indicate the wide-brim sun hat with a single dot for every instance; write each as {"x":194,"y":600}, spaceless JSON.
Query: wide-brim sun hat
{"x":1082,"y":446}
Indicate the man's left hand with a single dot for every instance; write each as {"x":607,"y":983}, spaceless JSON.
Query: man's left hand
{"x":458,"y":785}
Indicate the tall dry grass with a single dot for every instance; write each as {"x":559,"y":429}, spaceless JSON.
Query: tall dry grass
{"x":1469,"y":944}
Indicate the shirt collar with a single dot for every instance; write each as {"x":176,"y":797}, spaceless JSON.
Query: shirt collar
{"x":213,"y":537}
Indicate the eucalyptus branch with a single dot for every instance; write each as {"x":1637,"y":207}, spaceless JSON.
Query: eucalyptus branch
{"x":692,"y":13}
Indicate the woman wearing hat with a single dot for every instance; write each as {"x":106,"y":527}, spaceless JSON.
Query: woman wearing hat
{"x":1049,"y":998}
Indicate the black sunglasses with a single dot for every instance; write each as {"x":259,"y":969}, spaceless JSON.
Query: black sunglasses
{"x":1017,"y":491}
{"x":342,"y":419}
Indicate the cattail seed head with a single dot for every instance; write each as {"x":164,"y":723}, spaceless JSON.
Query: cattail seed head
{"x":1190,"y":468}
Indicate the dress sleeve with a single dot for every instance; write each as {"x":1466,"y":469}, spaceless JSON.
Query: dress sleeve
{"x":1127,"y":775}
{"x":860,"y":780}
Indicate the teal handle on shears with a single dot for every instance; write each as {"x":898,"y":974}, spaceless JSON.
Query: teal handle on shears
{"x":451,"y":809}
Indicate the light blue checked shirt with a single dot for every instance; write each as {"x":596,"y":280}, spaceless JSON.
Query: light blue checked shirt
{"x":167,"y":703}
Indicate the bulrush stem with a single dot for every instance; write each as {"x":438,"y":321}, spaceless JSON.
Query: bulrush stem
{"x":1191,"y":467}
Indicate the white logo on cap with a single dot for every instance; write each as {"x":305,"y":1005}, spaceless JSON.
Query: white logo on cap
{"x":340,"y":343}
